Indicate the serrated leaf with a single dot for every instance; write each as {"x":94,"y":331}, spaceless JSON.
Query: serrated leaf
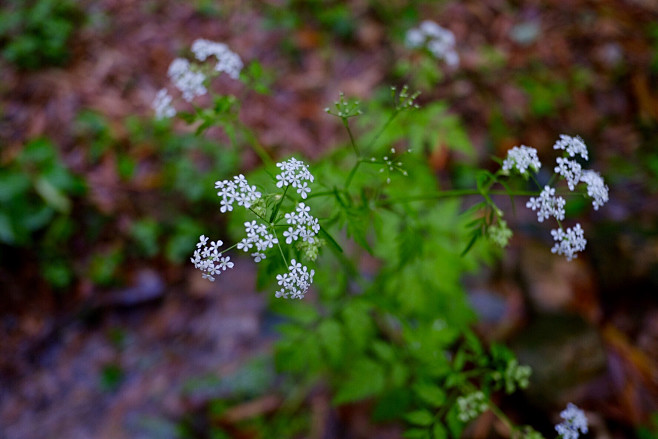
{"x":420,"y":417}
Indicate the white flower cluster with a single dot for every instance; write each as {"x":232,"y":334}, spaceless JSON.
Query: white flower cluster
{"x":569,"y":241}
{"x":295,"y":282}
{"x":471,"y":406}
{"x":190,"y":79}
{"x":596,"y":188}
{"x":438,"y":40}
{"x":162,"y":105}
{"x":570,"y":170}
{"x":573,"y":145}
{"x":187,"y":79}
{"x":547,"y":205}
{"x":575,"y":422}
{"x":521,"y":158}
{"x":227,"y":60}
{"x":573,"y":172}
{"x":257,"y":236}
{"x":237,"y":190}
{"x":296,"y":174}
{"x":209,"y":259}
{"x":306,"y":226}
{"x":262,"y":236}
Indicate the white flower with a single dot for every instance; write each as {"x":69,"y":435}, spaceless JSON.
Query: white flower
{"x":188,"y":81}
{"x":438,"y":40}
{"x":570,"y":170}
{"x":547,"y":205}
{"x":306,"y":225}
{"x":569,"y":241}
{"x":303,"y":189}
{"x":225,"y":263}
{"x":258,"y":236}
{"x":596,"y":188}
{"x":573,"y":146}
{"x":522,"y":157}
{"x":258,"y":256}
{"x":575,"y":422}
{"x":296,"y":282}
{"x":294,"y":173}
{"x":237,"y":190}
{"x":227,"y":61}
{"x":162,"y":105}
{"x":471,"y":406}
{"x":205,"y":258}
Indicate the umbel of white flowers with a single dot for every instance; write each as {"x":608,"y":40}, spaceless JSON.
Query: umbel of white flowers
{"x":190,"y":79}
{"x":574,"y":422}
{"x":569,"y":241}
{"x":261,"y":237}
{"x":438,"y":40}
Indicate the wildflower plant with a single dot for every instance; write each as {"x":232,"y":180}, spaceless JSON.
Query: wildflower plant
{"x":399,"y":332}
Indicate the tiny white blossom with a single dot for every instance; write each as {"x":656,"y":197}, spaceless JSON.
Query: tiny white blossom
{"x":258,"y":236}
{"x":296,"y":282}
{"x":547,"y":205}
{"x":209,"y":260}
{"x":569,"y":241}
{"x":225,"y":263}
{"x":237,"y":190}
{"x":438,"y":40}
{"x":294,"y":173}
{"x":570,"y":170}
{"x":306,"y":225}
{"x":522,"y":157}
{"x":162,"y":105}
{"x":572,"y":145}
{"x":188,"y":81}
{"x":227,"y":60}
{"x":575,"y":422}
{"x":471,"y":406}
{"x":596,"y":188}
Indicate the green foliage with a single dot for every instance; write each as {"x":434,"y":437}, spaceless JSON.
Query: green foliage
{"x":37,"y":33}
{"x":35,"y":188}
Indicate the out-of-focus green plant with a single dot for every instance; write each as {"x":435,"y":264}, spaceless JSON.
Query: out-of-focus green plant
{"x":37,"y":33}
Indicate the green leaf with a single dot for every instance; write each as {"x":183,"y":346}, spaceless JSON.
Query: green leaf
{"x":430,"y":394}
{"x":364,"y":379}
{"x":422,"y":418}
{"x":416,"y":433}
{"x":358,"y":324}
{"x":331,"y":338}
{"x":439,"y":431}
{"x":52,"y":195}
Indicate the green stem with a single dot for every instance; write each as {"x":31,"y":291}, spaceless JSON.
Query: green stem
{"x":383,"y":128}
{"x":278,"y":206}
{"x":455,"y":193}
{"x":281,"y":250}
{"x":349,"y":132}
{"x":352,"y":173}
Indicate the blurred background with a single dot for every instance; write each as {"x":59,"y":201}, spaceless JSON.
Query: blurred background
{"x":106,"y":329}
